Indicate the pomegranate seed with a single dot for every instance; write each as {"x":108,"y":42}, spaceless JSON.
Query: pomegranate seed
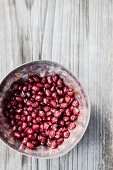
{"x":54,"y":94}
{"x":52,"y":88}
{"x":60,"y":83}
{"x":57,"y":113}
{"x":67,"y":99}
{"x":61,"y":123}
{"x":35,"y":104}
{"x":18,"y":99}
{"x":46,"y":108}
{"x":35,"y":127}
{"x":25,"y":88}
{"x":49,"y":142}
{"x":35,"y":88}
{"x":40,"y":93}
{"x":33,"y":114}
{"x":29,"y":118}
{"x":34,"y":121}
{"x":65,"y":118}
{"x":53,"y":103}
{"x":16,"y":134}
{"x":75,"y":103}
{"x":65,"y":90}
{"x":58,"y":134}
{"x":28,"y":94}
{"x":32,"y":137}
{"x":54,"y":119}
{"x":43,"y":141}
{"x":52,"y":134}
{"x":29,"y":131}
{"x":55,"y":78}
{"x":41,"y":113}
{"x":71,"y":125}
{"x":66,"y":134}
{"x":45,"y":100}
{"x":24,"y":125}
{"x":14,"y":128}
{"x":30,"y":145}
{"x":30,"y":80}
{"x":48,"y":92}
{"x":24,"y":141}
{"x":61,"y":100}
{"x":70,"y":93}
{"x":49,"y":79}
{"x":67,"y":112}
{"x":38,"y":119}
{"x":73,"y":117}
{"x":20,"y":106}
{"x":17,"y":117}
{"x":49,"y":113}
{"x":75,"y":111}
{"x":47,"y":85}
{"x":39,"y":98}
{"x":36,"y":78}
{"x":44,"y":80}
{"x":53,"y":110}
{"x":55,"y":127}
{"x":15,"y":87}
{"x":46,"y":125}
{"x":63,"y":105}
{"x":59,"y":91}
{"x":54,"y":144}
{"x":60,"y":141}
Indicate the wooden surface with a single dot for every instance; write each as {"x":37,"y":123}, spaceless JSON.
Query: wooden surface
{"x":79,"y":35}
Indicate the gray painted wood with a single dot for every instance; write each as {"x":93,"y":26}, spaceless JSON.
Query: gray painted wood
{"x":79,"y":35}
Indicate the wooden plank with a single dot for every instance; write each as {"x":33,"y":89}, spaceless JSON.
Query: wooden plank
{"x":79,"y":35}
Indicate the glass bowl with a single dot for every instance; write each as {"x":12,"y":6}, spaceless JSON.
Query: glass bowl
{"x":45,"y":68}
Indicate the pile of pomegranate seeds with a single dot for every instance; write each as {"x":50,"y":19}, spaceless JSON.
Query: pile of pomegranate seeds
{"x":41,"y":111}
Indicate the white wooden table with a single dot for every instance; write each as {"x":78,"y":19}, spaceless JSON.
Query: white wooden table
{"x":79,"y":35}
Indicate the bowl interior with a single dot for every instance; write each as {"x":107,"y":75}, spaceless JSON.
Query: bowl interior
{"x":45,"y":68}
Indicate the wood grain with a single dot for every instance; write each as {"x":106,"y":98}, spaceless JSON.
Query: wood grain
{"x":79,"y":35}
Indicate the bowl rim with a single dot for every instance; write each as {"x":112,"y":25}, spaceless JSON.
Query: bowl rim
{"x":88,"y":103}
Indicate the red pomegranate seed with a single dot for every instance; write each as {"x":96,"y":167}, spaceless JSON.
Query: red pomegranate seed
{"x":73,"y":117}
{"x":75,"y":103}
{"x":29,"y":131}
{"x":67,"y":112}
{"x":55,"y":127}
{"x":71,"y":125}
{"x":60,"y":141}
{"x":17,"y":117}
{"x":30,"y":145}
{"x":60,"y":83}
{"x":75,"y":111}
{"x":43,"y":141}
{"x":57,"y":113}
{"x":34,"y":121}
{"x":32,"y":137}
{"x":65,"y":90}
{"x":48,"y":142}
{"x":20,"y":106}
{"x":46,"y":125}
{"x":33,"y":114}
{"x":59,"y":91}
{"x":61,"y":100}
{"x":30,"y":80}
{"x":66,"y":134}
{"x":70,"y":93}
{"x":29,"y":118}
{"x":61,"y":123}
{"x":35,"y":127}
{"x":18,"y":99}
{"x":17,"y":135}
{"x":52,"y":88}
{"x":48,"y":93}
{"x":49,"y":113}
{"x":14,"y":128}
{"x":39,"y":85}
{"x":15,"y":87}
{"x":25,"y":140}
{"x":24,"y":125}
{"x":41,"y":128}
{"x":53,"y":110}
{"x":44,"y":80}
{"x":67,"y":99}
{"x":49,"y":80}
{"x":40,"y":93}
{"x":36,"y":78}
{"x":35,"y":88}
{"x":28,"y":94}
{"x":45,"y":100}
{"x":35,"y":104}
{"x":29,"y":103}
{"x":47,"y":85}
{"x":52,"y":134}
{"x":34,"y":142}
{"x":54,"y":94}
{"x":38,"y":119}
{"x":39,"y":98}
{"x":65,"y":118}
{"x":46,"y":108}
{"x":41,"y":114}
{"x":54,"y":119}
{"x":63,"y":105}
{"x":54,"y":144}
{"x":58,"y":134}
{"x":53,"y":103}
{"x":55,"y":78}
{"x":25,"y":88}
